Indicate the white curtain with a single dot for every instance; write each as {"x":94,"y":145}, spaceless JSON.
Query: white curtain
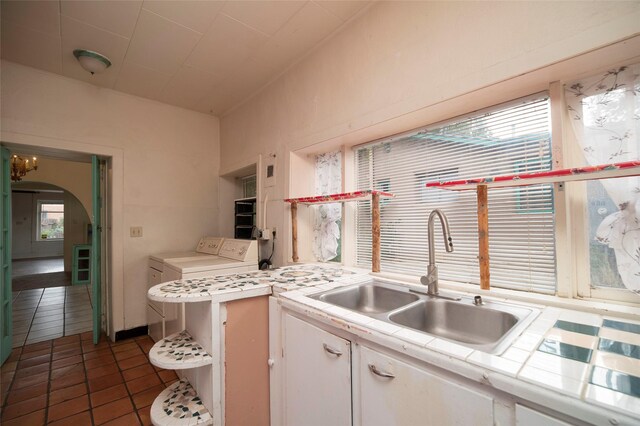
{"x":605,"y":112}
{"x":326,"y":231}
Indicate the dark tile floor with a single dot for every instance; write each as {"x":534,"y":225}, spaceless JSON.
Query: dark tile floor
{"x":71,"y":381}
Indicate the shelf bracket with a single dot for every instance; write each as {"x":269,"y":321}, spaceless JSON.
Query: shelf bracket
{"x":294,"y":231}
{"x":483,"y":236}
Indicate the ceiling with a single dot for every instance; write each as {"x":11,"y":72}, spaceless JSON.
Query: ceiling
{"x":207,"y":56}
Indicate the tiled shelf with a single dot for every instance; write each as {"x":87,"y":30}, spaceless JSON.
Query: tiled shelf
{"x":603,"y":171}
{"x":179,"y":405}
{"x":179,"y":351}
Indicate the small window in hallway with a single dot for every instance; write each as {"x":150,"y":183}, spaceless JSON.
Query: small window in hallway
{"x":50,"y":220}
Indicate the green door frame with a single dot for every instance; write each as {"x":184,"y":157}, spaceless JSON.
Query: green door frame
{"x":96,"y":244}
{"x":6,"y":324}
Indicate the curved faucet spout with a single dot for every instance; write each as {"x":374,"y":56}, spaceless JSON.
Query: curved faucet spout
{"x":431,"y":279}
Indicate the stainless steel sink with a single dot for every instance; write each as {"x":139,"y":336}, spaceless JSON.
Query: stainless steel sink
{"x":368,"y":298}
{"x":481,"y":327}
{"x":489,"y":327}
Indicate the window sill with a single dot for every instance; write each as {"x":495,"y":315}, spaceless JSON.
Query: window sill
{"x":602,"y":307}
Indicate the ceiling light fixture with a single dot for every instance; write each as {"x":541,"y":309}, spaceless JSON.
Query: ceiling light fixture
{"x":20,"y":167}
{"x":92,"y":61}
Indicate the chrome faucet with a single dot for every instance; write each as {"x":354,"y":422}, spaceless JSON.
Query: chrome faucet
{"x":431,"y":279}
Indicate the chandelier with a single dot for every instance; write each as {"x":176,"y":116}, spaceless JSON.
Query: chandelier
{"x":21,"y":166}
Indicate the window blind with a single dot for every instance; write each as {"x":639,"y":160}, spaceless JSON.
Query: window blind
{"x":507,"y":139}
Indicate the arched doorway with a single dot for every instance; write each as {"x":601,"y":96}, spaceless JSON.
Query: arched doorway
{"x":49,"y":225}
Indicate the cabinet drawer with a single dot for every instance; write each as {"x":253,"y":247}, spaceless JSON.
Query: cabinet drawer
{"x":154,"y":277}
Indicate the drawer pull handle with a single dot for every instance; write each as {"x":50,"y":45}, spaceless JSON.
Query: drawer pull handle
{"x":377,"y":372}
{"x":330,"y":350}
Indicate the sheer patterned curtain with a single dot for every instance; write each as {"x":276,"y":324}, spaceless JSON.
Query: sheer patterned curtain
{"x":605,"y":112}
{"x":326,"y":229}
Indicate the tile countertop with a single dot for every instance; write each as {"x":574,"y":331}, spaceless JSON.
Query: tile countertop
{"x":586,"y":357}
{"x":227,"y":287}
{"x":579,"y":356}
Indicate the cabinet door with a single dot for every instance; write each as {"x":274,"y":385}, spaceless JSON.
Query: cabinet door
{"x":317,"y":376}
{"x":393,"y":392}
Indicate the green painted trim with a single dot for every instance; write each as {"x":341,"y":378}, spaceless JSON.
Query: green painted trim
{"x":95,"y":249}
{"x":6,"y":324}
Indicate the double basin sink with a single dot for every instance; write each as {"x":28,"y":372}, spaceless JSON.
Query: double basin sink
{"x":489,"y":327}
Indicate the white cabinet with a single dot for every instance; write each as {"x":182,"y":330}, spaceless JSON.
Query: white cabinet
{"x":528,"y":417}
{"x":317,"y":376}
{"x":327,"y":380}
{"x":393,"y":392}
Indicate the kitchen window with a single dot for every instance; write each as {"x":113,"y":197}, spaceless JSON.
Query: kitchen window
{"x":50,"y":223}
{"x":604,"y":110}
{"x":506,"y":139}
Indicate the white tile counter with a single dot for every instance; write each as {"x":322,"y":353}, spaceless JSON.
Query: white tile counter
{"x":584,"y":365}
{"x":570,"y":353}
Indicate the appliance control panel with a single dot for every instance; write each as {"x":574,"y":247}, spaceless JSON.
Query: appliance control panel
{"x":242,"y":250}
{"x":210,"y":245}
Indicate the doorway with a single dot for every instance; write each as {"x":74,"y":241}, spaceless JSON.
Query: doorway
{"x":47,"y":306}
{"x":49,"y":224}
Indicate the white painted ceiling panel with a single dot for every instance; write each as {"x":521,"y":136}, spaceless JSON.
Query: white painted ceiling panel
{"x":42,"y":16}
{"x":188,"y":86}
{"x":160,"y":44}
{"x":265,"y":16}
{"x":196,"y":15}
{"x":209,"y":56}
{"x":308,"y":28}
{"x":141,"y":81}
{"x":116,"y":16}
{"x":226,"y":45}
{"x":343,"y":9}
{"x":31,"y":48}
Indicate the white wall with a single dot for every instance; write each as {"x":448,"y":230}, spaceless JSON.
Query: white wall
{"x":72,"y":176}
{"x":75,"y":178}
{"x":164,"y":167}
{"x":25,"y":242}
{"x":406,"y":64}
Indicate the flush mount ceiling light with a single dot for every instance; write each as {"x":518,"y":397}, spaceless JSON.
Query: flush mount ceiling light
{"x":92,"y":61}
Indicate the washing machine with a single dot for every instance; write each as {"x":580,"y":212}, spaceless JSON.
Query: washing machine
{"x":232,"y":256}
{"x":163,"y":319}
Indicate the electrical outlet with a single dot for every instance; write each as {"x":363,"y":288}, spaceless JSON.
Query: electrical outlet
{"x":135,"y":231}
{"x":265,"y":234}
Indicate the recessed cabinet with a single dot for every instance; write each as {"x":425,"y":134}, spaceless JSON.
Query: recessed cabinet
{"x":393,"y":392}
{"x":245,"y":218}
{"x":317,"y":376}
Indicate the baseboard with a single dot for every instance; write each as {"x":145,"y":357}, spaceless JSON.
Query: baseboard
{"x":132,"y":332}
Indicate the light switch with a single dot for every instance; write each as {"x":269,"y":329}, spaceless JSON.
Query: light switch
{"x":135,"y":231}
